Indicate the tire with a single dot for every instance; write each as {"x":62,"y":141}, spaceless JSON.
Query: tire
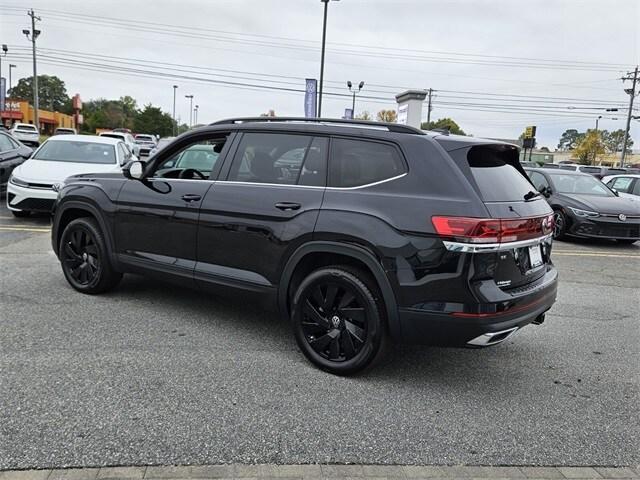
{"x":625,"y":241}
{"x":559,"y":225}
{"x":337,"y":321}
{"x":21,"y":213}
{"x":85,"y":258}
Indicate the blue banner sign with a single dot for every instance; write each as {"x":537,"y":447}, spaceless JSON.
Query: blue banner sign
{"x":311,"y":88}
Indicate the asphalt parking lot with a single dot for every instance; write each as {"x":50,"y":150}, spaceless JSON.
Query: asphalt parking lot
{"x":154,"y":374}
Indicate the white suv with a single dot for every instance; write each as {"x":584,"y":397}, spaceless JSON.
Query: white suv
{"x":26,"y":133}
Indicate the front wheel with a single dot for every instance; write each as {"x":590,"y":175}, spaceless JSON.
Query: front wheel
{"x":84,"y":258}
{"x":337,"y":322}
{"x":559,"y":224}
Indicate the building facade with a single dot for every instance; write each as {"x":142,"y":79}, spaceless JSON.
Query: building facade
{"x":21,"y":111}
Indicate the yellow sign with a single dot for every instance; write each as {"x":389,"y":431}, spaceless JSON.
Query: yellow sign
{"x":530,"y":132}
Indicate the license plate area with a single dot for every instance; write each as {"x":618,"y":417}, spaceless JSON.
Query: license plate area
{"x":535,"y":256}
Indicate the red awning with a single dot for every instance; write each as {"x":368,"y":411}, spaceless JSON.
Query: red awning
{"x":48,"y":120}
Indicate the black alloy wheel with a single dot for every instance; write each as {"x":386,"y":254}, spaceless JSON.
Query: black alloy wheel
{"x":337,"y":320}
{"x":84,"y":260}
{"x":559,"y":224}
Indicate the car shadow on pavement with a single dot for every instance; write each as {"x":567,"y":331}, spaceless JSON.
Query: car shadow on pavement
{"x":257,"y":329}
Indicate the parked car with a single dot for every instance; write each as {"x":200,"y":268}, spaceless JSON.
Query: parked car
{"x":65,"y":131}
{"x":146,"y":143}
{"x":127,"y":138}
{"x":628,"y":184}
{"x":26,"y":134}
{"x":356,"y":231}
{"x":12,"y":154}
{"x":585,"y":207}
{"x":163,"y":142}
{"x":33,"y":185}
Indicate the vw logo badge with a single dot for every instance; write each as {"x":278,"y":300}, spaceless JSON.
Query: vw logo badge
{"x":56,"y":187}
{"x":622,"y":217}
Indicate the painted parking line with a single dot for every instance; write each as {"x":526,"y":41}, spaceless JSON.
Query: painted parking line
{"x":586,"y":254}
{"x":24,"y":229}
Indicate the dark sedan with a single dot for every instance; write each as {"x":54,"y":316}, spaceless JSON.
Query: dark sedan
{"x":585,"y":207}
{"x":12,"y":154}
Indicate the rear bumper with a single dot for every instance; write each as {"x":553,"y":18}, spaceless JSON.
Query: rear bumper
{"x":482,"y":329}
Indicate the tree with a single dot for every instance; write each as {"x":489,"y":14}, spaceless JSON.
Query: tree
{"x":153,"y":120}
{"x":590,"y":146}
{"x":52,"y":93}
{"x":570,"y":139}
{"x":443,"y":124}
{"x":364,"y":116}
{"x":614,"y":141}
{"x":387,"y":116}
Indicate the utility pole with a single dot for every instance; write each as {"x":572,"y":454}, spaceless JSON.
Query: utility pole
{"x":324,"y":37}
{"x":175,"y":87}
{"x":34,"y":35}
{"x":4,"y":51}
{"x":632,"y":93}
{"x":190,"y":97}
{"x":429,"y":106}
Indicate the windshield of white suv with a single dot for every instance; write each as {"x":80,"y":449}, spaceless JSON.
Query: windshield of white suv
{"x":78,"y":152}
{"x":580,"y":184}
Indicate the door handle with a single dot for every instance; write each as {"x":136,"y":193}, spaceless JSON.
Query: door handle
{"x":287,"y":206}
{"x":191,"y":197}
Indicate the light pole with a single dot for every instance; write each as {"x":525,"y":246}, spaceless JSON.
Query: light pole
{"x":354,"y":91}
{"x":597,"y":120}
{"x":324,"y":37}
{"x":195,"y":114}
{"x":190,"y":97}
{"x":175,"y":87}
{"x":34,"y":35}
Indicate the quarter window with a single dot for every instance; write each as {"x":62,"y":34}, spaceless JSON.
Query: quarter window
{"x":280,"y":159}
{"x":355,"y":162}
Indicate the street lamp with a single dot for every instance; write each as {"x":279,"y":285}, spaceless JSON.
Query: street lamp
{"x":195,"y":114}
{"x":354,"y":91}
{"x":597,"y":119}
{"x":324,"y":37}
{"x":175,"y":87}
{"x":190,"y":97}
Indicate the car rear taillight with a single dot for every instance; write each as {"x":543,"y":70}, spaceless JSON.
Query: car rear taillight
{"x":492,"y":230}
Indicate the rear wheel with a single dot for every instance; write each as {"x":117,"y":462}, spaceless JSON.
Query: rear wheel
{"x":84,"y":258}
{"x":21,"y":213}
{"x":559,"y":224}
{"x":337,"y":321}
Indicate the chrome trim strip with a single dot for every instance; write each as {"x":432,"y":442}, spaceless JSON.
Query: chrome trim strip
{"x":234,"y":182}
{"x":485,"y":339}
{"x":493,"y":247}
{"x":369,"y":184}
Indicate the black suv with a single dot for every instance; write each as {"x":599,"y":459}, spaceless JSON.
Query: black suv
{"x":356,"y":231}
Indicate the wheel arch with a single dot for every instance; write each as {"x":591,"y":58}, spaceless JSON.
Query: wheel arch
{"x":71,"y":210}
{"x":301,"y":260}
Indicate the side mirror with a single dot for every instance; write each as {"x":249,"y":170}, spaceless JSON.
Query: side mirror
{"x":546,"y":191}
{"x":133,"y":170}
{"x":615,"y":192}
{"x":25,"y":152}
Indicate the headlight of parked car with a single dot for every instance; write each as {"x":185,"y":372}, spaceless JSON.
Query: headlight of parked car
{"x":583,"y":213}
{"x":18,"y":182}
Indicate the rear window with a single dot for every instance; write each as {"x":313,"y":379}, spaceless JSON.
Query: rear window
{"x":79,"y":152}
{"x":355,"y":163}
{"x":590,"y":169}
{"x":496,"y":176}
{"x":26,"y":128}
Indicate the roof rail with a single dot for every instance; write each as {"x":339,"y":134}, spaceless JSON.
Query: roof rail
{"x":392,"y":127}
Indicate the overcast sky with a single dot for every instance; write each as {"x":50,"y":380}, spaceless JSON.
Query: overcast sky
{"x":546,"y":51}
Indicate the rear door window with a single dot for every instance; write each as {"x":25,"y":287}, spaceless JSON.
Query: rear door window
{"x":354,"y":163}
{"x":496,"y":176}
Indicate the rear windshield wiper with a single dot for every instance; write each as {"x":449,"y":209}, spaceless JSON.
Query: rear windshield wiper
{"x":531,"y":195}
